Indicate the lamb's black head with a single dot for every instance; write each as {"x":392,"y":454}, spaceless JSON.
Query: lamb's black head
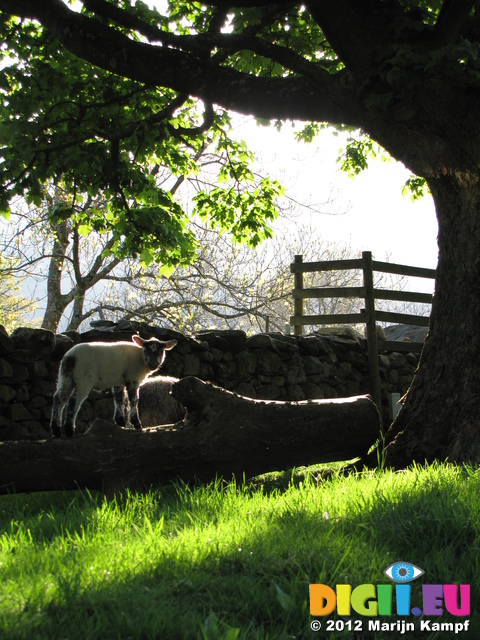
{"x":154,"y":350}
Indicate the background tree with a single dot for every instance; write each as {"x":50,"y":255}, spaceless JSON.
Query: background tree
{"x":228,"y":284}
{"x":233,"y":286}
{"x":55,"y":259}
{"x":13,"y":305}
{"x":407,"y":73}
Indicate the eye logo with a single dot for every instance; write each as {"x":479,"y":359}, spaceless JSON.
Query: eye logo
{"x":403,"y":572}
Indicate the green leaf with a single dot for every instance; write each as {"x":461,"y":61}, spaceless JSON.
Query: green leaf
{"x":286,"y":601}
{"x":416,"y":186}
{"x":309,"y":132}
{"x":166,"y":270}
{"x":146,"y":258}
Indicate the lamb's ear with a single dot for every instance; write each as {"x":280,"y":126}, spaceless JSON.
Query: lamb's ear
{"x":138,"y":340}
{"x":169,"y":345}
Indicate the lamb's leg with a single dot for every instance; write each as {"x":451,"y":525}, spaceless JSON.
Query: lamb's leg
{"x":59,"y":402}
{"x":73,"y":407}
{"x":132,"y":393}
{"x":121,"y":406}
{"x":62,"y":394}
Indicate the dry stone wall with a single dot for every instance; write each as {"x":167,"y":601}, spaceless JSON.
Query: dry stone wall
{"x":265,"y":366}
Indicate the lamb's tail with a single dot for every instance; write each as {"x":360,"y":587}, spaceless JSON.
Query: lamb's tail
{"x":65,"y":383}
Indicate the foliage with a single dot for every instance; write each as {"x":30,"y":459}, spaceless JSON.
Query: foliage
{"x":240,"y":214}
{"x":357,"y":153}
{"x":228,"y":561}
{"x":416,"y":186}
{"x":94,"y":134}
{"x":107,"y":127}
{"x":14,"y":307}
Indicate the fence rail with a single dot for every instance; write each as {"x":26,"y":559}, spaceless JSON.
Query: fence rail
{"x":368,"y":315}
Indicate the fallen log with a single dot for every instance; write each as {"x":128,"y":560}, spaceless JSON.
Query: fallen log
{"x":222,"y":434}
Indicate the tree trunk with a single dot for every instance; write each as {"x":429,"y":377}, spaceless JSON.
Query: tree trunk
{"x":56,"y":302}
{"x":222,"y":435}
{"x":77,"y":316}
{"x":441,"y":418}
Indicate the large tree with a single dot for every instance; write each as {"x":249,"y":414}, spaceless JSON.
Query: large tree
{"x":405,"y":72}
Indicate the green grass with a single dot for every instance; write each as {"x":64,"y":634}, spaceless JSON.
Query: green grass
{"x":225,"y":562}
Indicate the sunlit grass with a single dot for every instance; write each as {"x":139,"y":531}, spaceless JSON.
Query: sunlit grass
{"x":224,"y":561}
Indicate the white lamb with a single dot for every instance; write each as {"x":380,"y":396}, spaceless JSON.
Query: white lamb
{"x":98,"y":365}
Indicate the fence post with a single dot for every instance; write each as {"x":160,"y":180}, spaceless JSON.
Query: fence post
{"x":298,"y":302}
{"x":371,"y":331}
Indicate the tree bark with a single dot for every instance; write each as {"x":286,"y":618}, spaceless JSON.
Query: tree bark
{"x":223,"y":434}
{"x":56,"y":302}
{"x":440,"y":418}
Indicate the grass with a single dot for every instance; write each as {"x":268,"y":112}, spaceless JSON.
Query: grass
{"x":228,"y":562}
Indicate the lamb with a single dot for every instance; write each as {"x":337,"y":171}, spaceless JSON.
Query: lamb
{"x":98,"y":365}
{"x":156,"y":405}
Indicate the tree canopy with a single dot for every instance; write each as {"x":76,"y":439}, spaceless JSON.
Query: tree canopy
{"x":334,"y":61}
{"x":99,"y":91}
{"x":93,"y":133}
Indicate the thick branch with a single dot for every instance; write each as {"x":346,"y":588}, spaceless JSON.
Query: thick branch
{"x":355,"y":30}
{"x":334,"y":18}
{"x":126,"y":19}
{"x":96,"y":272}
{"x":324,"y":98}
{"x":451,"y":21}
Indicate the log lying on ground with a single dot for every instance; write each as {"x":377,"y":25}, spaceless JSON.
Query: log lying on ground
{"x":223,"y":434}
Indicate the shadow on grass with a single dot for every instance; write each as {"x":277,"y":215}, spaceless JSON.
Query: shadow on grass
{"x":257,"y":579}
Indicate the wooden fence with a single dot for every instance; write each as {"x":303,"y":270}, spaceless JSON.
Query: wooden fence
{"x":368,"y":315}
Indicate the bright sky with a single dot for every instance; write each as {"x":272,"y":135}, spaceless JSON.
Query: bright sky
{"x":368,"y":212}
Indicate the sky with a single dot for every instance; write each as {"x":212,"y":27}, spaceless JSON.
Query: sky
{"x":368,"y":212}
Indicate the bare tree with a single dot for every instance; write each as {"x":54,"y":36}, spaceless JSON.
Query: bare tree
{"x":228,"y":284}
{"x":232,"y":286}
{"x":56,"y":257}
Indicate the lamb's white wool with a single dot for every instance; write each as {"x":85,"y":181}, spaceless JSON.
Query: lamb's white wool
{"x":98,"y":365}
